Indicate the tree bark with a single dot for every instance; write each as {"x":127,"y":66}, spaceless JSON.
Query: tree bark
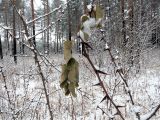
{"x":33,"y":24}
{"x":123,"y":23}
{"x":23,"y":46}
{"x":1,"y":52}
{"x":14,"y":49}
{"x":48,"y":28}
{"x":84,"y":6}
{"x":69,"y":21}
{"x":6,"y":23}
{"x":131,"y":36}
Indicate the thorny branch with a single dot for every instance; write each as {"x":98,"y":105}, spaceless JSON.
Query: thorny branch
{"x":86,"y":55}
{"x":33,"y":49}
{"x":119,"y":71}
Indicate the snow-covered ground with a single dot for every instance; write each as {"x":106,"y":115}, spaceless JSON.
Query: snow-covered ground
{"x":28,"y":99}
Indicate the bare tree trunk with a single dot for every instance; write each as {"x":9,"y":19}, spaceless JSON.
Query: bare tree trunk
{"x":138,"y":41}
{"x":84,"y":10}
{"x":77,"y":26}
{"x":69,"y":21}
{"x":44,"y":34}
{"x":124,"y":41}
{"x":23,"y":46}
{"x":57,"y":36}
{"x":47,"y":25}
{"x":84,"y":6}
{"x":14,"y":35}
{"x":131,"y":36}
{"x":33,"y":25}
{"x":131,"y":8}
{"x":1,"y":52}
{"x":6,"y":22}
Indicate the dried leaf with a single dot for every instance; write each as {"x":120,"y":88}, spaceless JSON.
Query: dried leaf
{"x":81,"y":27}
{"x":67,"y":50}
{"x":70,"y":76}
{"x":76,"y":84}
{"x":70,"y":63}
{"x":64,"y":75}
{"x":99,"y":25}
{"x":73,"y":75}
{"x":72,"y":89}
{"x":86,"y":36}
{"x":84,"y":18}
{"x":67,"y":92}
{"x":66,"y":89}
{"x":99,"y":12}
{"x":63,"y":84}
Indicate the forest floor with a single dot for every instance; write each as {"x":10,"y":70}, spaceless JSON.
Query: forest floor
{"x":26,"y":89}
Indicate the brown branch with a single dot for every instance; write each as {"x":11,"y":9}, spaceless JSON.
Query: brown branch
{"x":38,"y":65}
{"x":101,"y":83}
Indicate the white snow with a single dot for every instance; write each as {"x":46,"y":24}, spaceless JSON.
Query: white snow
{"x":146,"y":116}
{"x":136,"y":109}
{"x":116,"y":57}
{"x":89,"y":7}
{"x":106,"y":47}
{"x":81,"y":34}
{"x":88,"y":24}
{"x":127,"y":37}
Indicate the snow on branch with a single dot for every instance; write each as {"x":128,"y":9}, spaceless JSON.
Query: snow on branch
{"x":31,"y":37}
{"x":5,"y":27}
{"x":54,"y":10}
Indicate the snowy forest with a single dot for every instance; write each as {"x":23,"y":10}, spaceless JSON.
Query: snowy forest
{"x":79,"y":59}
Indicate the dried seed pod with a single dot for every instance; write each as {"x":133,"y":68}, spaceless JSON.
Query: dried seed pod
{"x":72,"y":89}
{"x":73,"y":66}
{"x":67,"y":50}
{"x":64,"y":75}
{"x":84,"y":18}
{"x":99,"y":12}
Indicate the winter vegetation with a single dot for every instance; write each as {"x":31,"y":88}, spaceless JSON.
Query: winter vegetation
{"x":79,"y":60}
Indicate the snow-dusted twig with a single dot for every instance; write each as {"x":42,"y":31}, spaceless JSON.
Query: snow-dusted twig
{"x":49,"y":26}
{"x":5,"y":27}
{"x":53,"y":11}
{"x":56,"y":9}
